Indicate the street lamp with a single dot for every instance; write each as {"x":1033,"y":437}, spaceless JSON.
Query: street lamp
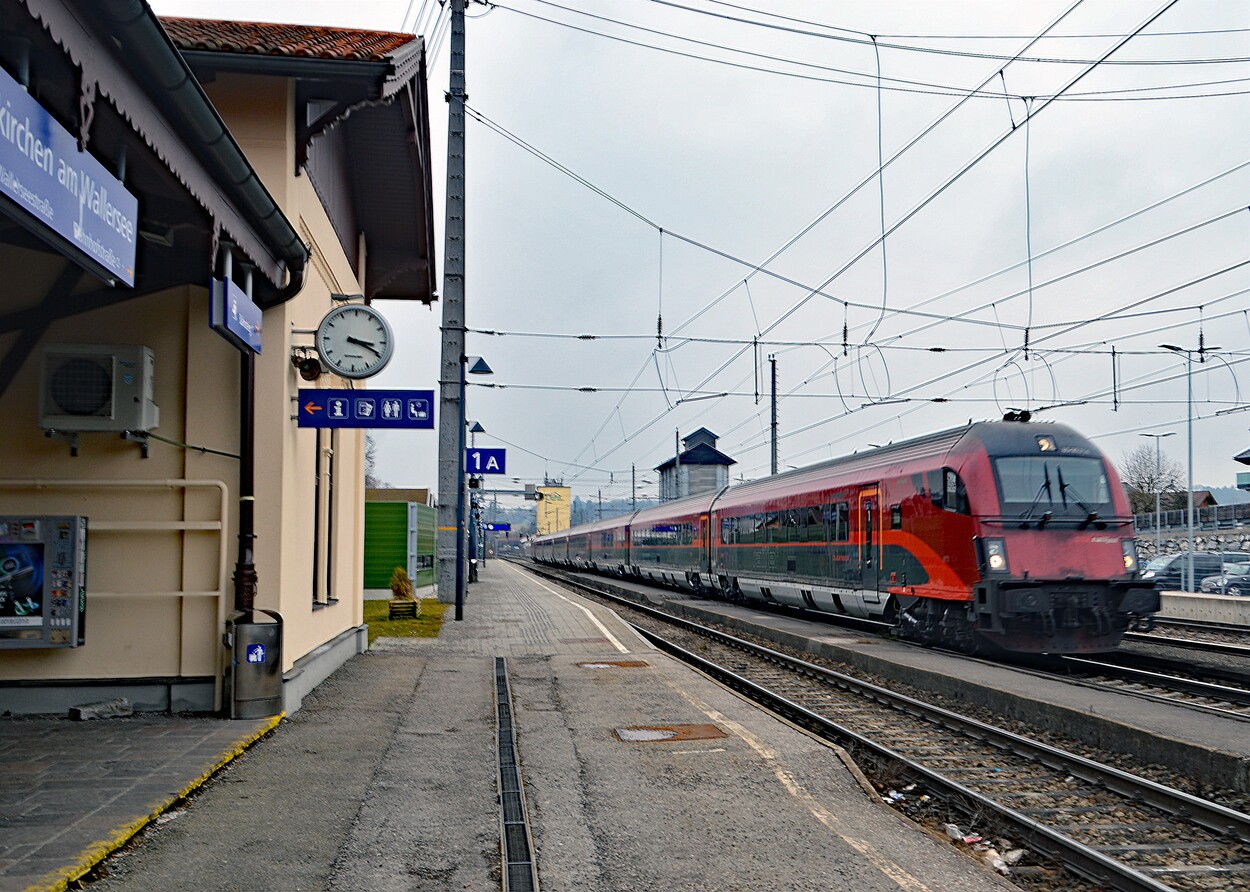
{"x":1158,"y":490}
{"x":474,"y":365}
{"x":1189,"y":425}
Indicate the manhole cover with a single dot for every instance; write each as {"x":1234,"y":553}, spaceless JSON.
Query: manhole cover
{"x":655,"y":733}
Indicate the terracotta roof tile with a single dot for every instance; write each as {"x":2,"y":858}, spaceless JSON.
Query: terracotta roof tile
{"x":268,"y":39}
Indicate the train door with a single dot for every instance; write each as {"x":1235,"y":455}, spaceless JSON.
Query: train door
{"x":703,"y":544}
{"x":869,"y":543}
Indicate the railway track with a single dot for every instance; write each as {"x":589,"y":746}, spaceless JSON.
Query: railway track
{"x":1174,"y":681}
{"x":1109,"y":826}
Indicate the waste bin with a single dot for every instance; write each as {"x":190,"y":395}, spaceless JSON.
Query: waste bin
{"x":255,"y":664}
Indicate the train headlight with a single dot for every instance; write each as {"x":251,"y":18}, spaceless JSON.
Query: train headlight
{"x":1130,"y":555}
{"x":995,"y":556}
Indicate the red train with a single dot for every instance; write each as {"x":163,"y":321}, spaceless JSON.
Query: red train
{"x":1004,"y":535}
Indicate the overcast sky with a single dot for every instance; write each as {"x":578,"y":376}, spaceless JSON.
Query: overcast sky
{"x":1012,"y":223}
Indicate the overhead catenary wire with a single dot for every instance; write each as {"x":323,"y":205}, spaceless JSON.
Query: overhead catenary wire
{"x":864,"y":39}
{"x":897,"y":85}
{"x":1100,"y":36}
{"x":1034,"y":111}
{"x":1163,"y":311}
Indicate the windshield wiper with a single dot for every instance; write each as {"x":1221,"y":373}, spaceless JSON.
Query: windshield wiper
{"x":1044,"y":488}
{"x":1091,"y":514}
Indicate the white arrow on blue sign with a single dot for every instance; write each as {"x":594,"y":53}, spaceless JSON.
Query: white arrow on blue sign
{"x":484,"y":461}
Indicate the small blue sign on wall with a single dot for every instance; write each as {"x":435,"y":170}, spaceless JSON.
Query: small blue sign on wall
{"x":497,"y":527}
{"x":64,"y":195}
{"x":256,"y":653}
{"x":395,"y":409}
{"x":232,"y":315}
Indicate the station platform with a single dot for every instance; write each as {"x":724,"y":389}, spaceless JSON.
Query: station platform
{"x":1228,"y":609}
{"x":388,"y":778}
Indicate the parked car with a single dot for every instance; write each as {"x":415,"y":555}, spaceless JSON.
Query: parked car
{"x":1235,"y":580}
{"x":1168,"y":572}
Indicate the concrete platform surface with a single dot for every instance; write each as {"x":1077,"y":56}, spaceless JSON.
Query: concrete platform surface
{"x":387,"y":779}
{"x":71,"y":792}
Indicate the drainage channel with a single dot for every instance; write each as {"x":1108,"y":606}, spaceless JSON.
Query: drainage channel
{"x":518,"y":852}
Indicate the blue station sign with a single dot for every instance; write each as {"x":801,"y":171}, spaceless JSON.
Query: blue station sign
{"x":377,"y":409}
{"x":497,"y":527}
{"x":232,"y":315}
{"x":485,"y":461}
{"x":63,"y":195}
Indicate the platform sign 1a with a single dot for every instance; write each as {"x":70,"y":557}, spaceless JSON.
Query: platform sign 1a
{"x":484,"y":461}
{"x":386,"y":409}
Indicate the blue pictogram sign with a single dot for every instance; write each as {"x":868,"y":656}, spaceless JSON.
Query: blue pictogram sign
{"x":256,"y":653}
{"x":403,"y":409}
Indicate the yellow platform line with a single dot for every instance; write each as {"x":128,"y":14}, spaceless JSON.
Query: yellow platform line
{"x":93,"y":854}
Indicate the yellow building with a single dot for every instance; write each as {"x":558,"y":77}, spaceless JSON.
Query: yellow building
{"x":304,"y":157}
{"x":555,"y":509}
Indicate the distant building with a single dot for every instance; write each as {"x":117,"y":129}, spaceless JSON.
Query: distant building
{"x":700,"y":467}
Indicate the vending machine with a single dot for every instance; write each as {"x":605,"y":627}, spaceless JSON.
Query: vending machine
{"x":43,"y":581}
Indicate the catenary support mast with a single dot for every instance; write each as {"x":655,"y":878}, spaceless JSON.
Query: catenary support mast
{"x":451,"y":368}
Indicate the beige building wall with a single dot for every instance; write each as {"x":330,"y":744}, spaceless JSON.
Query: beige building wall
{"x":555,"y":509}
{"x":162,"y":530}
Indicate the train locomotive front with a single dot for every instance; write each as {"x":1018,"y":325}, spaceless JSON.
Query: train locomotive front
{"x":1044,"y":547}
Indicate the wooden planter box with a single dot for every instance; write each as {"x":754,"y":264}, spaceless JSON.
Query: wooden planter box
{"x":403,"y":609}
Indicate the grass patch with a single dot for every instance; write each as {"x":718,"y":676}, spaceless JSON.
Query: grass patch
{"x":426,"y":625}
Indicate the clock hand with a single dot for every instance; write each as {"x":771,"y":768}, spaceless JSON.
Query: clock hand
{"x":368,"y":345}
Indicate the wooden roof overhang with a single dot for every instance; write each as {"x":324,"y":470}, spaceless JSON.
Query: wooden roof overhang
{"x":362,"y":133}
{"x":107,"y":71}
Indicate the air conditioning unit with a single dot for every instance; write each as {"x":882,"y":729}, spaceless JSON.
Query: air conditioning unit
{"x":97,"y":387}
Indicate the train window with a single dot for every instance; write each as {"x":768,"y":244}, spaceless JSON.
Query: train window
{"x":935,"y":487}
{"x":814,"y":528}
{"x":954,"y":495}
{"x":896,"y":517}
{"x":728,"y":530}
{"x":839,"y":521}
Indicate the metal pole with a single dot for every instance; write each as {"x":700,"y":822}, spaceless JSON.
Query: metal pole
{"x":459,"y":524}
{"x":452,"y":371}
{"x":245,"y":577}
{"x":677,"y":465}
{"x":633,"y":488}
{"x":1189,"y":423}
{"x":1159,"y":491}
{"x":772,"y":361}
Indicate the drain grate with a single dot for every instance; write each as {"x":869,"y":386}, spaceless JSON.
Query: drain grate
{"x":518,"y":858}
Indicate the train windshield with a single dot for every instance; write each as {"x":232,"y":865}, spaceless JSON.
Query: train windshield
{"x":1065,"y":486}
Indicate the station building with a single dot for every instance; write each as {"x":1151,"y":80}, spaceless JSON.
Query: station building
{"x":141,"y":159}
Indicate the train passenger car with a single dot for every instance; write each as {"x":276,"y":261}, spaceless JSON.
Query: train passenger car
{"x":552,"y":548}
{"x":1003,"y":533}
{"x":609,"y":545}
{"x":668,"y":543}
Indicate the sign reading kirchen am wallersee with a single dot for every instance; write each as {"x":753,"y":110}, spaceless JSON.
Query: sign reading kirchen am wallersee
{"x":63,"y":195}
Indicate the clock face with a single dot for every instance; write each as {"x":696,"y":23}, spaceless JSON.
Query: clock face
{"x":354,"y":341}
